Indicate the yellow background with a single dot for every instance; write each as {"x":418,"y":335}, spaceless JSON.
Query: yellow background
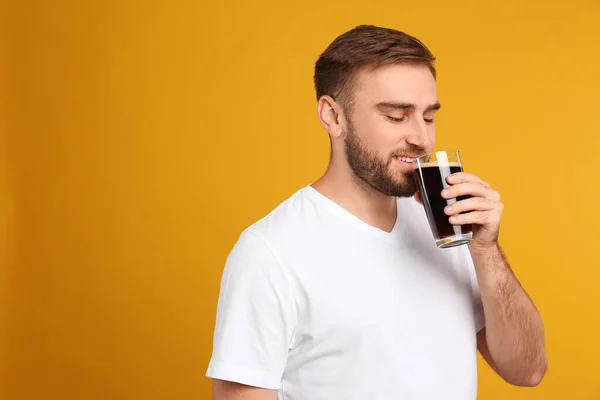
{"x":141,"y":137}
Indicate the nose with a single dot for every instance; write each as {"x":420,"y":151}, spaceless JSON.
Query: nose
{"x":419,"y":134}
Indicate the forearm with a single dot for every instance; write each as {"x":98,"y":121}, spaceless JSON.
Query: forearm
{"x":514,"y":328}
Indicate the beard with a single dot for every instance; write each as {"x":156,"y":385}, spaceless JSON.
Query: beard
{"x":377,"y":172}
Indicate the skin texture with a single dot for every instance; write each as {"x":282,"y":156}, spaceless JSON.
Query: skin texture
{"x":392,"y":115}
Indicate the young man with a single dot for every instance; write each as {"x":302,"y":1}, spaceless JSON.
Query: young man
{"x":340,"y":292}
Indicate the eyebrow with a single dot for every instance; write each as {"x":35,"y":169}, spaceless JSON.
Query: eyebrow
{"x":386,"y":106}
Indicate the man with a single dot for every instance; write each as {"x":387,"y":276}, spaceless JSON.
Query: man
{"x":340,"y":292}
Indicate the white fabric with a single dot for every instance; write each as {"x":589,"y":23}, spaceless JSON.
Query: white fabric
{"x":319,"y":305}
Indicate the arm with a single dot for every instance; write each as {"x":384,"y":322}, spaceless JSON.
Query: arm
{"x":255,"y":323}
{"x":224,"y":390}
{"x":513,"y":340}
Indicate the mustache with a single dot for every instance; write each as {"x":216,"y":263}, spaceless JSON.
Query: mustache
{"x":411,"y":149}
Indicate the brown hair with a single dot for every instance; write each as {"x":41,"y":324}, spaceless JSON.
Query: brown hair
{"x":365,"y":46}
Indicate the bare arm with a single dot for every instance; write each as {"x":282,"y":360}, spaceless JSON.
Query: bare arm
{"x":513,"y":340}
{"x":224,"y":390}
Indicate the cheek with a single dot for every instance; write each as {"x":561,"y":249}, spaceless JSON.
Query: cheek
{"x":373,"y":131}
{"x":431,"y":139}
{"x":382,"y":134}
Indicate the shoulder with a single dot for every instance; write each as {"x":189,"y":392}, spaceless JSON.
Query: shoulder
{"x":289,"y":218}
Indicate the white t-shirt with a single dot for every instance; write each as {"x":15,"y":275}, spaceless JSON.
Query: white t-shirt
{"x":319,"y":305}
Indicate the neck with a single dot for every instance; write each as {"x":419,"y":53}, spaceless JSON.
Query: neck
{"x":340,"y":185}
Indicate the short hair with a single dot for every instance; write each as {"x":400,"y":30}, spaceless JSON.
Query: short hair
{"x":365,"y":47}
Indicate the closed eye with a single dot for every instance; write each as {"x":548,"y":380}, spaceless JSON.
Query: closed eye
{"x":428,"y":120}
{"x":396,"y":120}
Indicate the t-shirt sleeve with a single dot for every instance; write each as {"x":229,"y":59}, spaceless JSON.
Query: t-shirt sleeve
{"x":255,"y":317}
{"x":477,"y":304}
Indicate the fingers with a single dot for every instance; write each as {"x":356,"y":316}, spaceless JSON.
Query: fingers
{"x":488,"y":218}
{"x":483,"y":206}
{"x":463,"y":177}
{"x":471,"y":204}
{"x":475,"y":189}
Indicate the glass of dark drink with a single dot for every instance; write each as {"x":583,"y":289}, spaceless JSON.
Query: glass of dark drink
{"x":431,"y":172}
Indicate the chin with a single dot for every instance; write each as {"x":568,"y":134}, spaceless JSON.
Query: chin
{"x":405,"y":189}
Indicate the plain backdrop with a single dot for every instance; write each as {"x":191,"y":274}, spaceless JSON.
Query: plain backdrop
{"x":139,"y":138}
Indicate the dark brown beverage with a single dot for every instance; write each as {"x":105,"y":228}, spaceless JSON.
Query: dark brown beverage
{"x":431,"y":178}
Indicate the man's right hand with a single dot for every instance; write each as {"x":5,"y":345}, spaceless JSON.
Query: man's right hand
{"x":224,"y":390}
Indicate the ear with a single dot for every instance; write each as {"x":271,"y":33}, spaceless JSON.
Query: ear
{"x":330,"y":116}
